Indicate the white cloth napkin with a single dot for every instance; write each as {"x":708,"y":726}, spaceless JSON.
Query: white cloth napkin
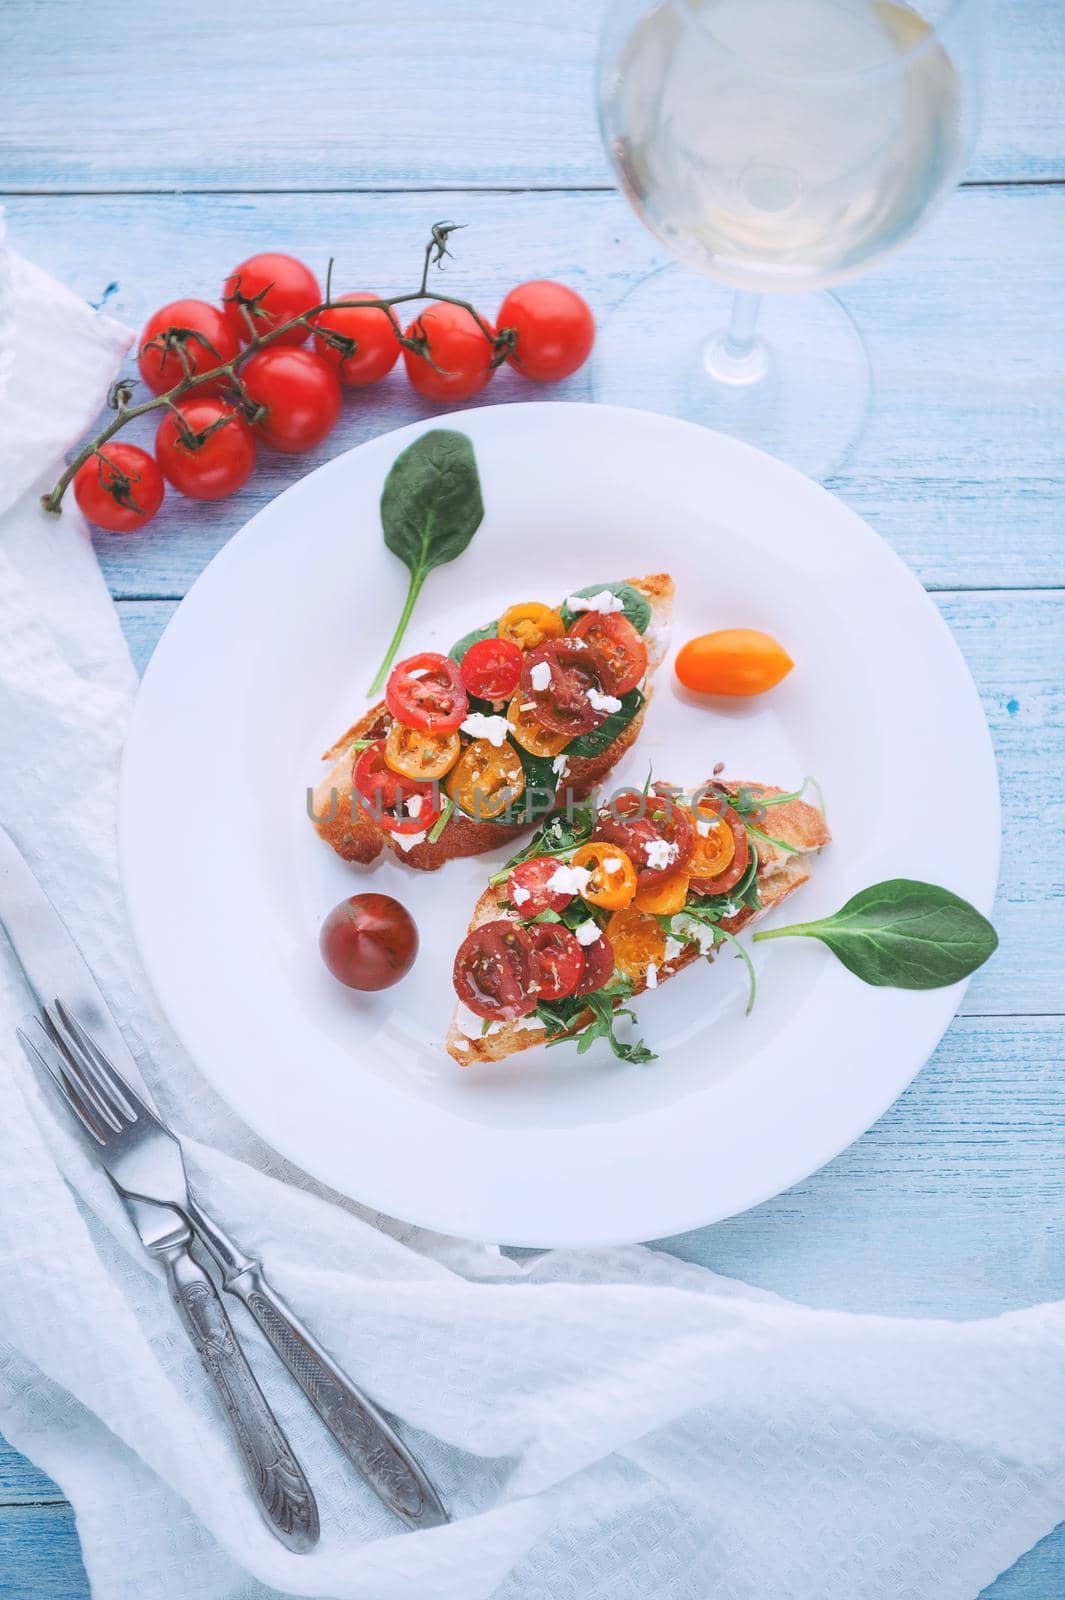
{"x":608,"y":1425}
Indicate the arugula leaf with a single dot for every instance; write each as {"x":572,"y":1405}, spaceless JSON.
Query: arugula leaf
{"x":599,"y":739}
{"x":902,"y":934}
{"x":720,"y":935}
{"x":607,"y":1009}
{"x":431,"y":507}
{"x":637,"y":607}
{"x":447,"y":811}
{"x":777,"y":844}
{"x":560,"y":835}
{"x":459,"y":648}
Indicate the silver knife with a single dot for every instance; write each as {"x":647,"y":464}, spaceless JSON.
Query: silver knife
{"x":54,"y":966}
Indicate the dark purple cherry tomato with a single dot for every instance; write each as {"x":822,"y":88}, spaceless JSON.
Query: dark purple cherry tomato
{"x":369,"y":941}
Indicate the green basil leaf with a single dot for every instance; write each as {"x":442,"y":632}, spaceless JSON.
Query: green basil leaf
{"x":458,"y":650}
{"x":431,"y":507}
{"x":637,"y":608}
{"x":594,"y":743}
{"x":903,"y":934}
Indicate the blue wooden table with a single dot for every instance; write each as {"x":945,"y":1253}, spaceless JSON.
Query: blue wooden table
{"x":146,"y":149}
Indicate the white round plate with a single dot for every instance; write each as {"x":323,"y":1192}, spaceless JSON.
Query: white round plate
{"x":266,"y":662}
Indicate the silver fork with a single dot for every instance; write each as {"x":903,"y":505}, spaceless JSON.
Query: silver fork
{"x":145,"y":1160}
{"x":276,"y":1477}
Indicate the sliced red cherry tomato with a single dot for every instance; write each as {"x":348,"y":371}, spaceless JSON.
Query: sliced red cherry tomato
{"x":186,"y":335}
{"x":426,"y":691}
{"x":270,"y":289}
{"x":640,"y":824}
{"x":527,"y":888}
{"x":120,"y":488}
{"x":620,"y":648}
{"x":495,"y":971}
{"x":563,"y":704}
{"x":369,"y":941}
{"x":376,"y":346}
{"x":397,"y":804}
{"x":491,"y":668}
{"x":712,"y":806}
{"x":559,"y":960}
{"x":598,"y":965}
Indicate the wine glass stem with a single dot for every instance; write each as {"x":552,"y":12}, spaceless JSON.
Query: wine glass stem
{"x":736,"y":355}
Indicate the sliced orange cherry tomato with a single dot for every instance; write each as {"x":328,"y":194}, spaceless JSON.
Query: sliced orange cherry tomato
{"x":668,"y":895}
{"x":486,"y":780}
{"x":638,"y":942}
{"x":421,"y":755}
{"x":712,"y":805}
{"x":529,"y":625}
{"x":735,"y":661}
{"x":530,"y":732}
{"x":613,"y":881}
{"x":715,"y":842}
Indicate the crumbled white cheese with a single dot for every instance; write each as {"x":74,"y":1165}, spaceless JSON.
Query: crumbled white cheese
{"x":407,"y":841}
{"x":703,"y":829}
{"x":611,"y":864}
{"x":524,"y":1023}
{"x":527,"y":705}
{"x":414,"y":803}
{"x":657,"y":641}
{"x":519,"y":895}
{"x":560,"y":766}
{"x":540,"y":675}
{"x":602,"y":702}
{"x":603,"y":602}
{"x":467,"y":1021}
{"x":695,"y":932}
{"x":731,"y":909}
{"x":652,"y":975}
{"x":661,"y":853}
{"x":494,"y":729}
{"x":588,"y":932}
{"x":569,"y":880}
{"x":674,"y":948}
{"x":462,"y":1043}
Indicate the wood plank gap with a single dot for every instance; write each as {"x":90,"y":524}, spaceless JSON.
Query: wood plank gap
{"x":417,"y":189}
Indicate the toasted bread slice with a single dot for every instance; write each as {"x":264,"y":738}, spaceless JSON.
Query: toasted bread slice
{"x":780,"y":873}
{"x":356,"y":836}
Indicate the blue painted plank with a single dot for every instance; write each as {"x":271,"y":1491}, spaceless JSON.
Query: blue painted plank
{"x":40,"y":1558}
{"x":329,"y":95}
{"x":960,"y":467}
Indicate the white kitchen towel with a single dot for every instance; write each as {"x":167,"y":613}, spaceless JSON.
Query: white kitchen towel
{"x":608,"y":1425}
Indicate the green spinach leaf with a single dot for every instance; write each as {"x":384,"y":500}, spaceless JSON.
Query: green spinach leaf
{"x":903,"y":934}
{"x":637,"y":608}
{"x":594,"y":743}
{"x":431,"y":507}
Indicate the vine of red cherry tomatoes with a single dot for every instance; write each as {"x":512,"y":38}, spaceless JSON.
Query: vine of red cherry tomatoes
{"x":234,"y":377}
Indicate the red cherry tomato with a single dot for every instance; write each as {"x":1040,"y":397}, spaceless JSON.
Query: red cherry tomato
{"x":376,"y":346}
{"x":193,"y":327}
{"x":120,"y":488}
{"x":527,"y":888}
{"x":369,"y":941}
{"x":559,"y":960}
{"x":491,"y":668}
{"x":554,"y":328}
{"x":637,"y":824}
{"x":209,"y":453}
{"x":426,"y":691}
{"x":621,"y":652}
{"x":272,"y":288}
{"x":397,"y":804}
{"x":598,"y":966}
{"x":496,"y":970}
{"x":459,"y":348}
{"x":563,"y":704}
{"x":301,"y":394}
{"x":714,"y":804}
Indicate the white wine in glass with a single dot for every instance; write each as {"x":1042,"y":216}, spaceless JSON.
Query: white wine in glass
{"x":774,"y":145}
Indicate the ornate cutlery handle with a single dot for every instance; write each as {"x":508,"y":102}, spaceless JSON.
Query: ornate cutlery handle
{"x":284,"y":1494}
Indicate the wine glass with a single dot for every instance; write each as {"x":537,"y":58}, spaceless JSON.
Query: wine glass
{"x":775,"y":146}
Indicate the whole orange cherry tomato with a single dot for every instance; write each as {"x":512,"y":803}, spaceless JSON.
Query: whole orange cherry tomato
{"x":613,"y":881}
{"x":735,"y":661}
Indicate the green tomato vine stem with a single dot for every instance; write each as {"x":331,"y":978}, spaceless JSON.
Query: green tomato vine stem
{"x":502,"y":342}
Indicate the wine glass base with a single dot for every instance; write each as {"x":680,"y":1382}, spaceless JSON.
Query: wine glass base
{"x":802,"y":392}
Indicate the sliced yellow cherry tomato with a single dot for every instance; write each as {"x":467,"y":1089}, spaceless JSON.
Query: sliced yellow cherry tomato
{"x":420,"y":755}
{"x":668,"y":895}
{"x":613,"y":881}
{"x":637,"y":942}
{"x":530,"y":732}
{"x":737,"y":661}
{"x":529,"y":625}
{"x":715,"y":844}
{"x":486,"y":779}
